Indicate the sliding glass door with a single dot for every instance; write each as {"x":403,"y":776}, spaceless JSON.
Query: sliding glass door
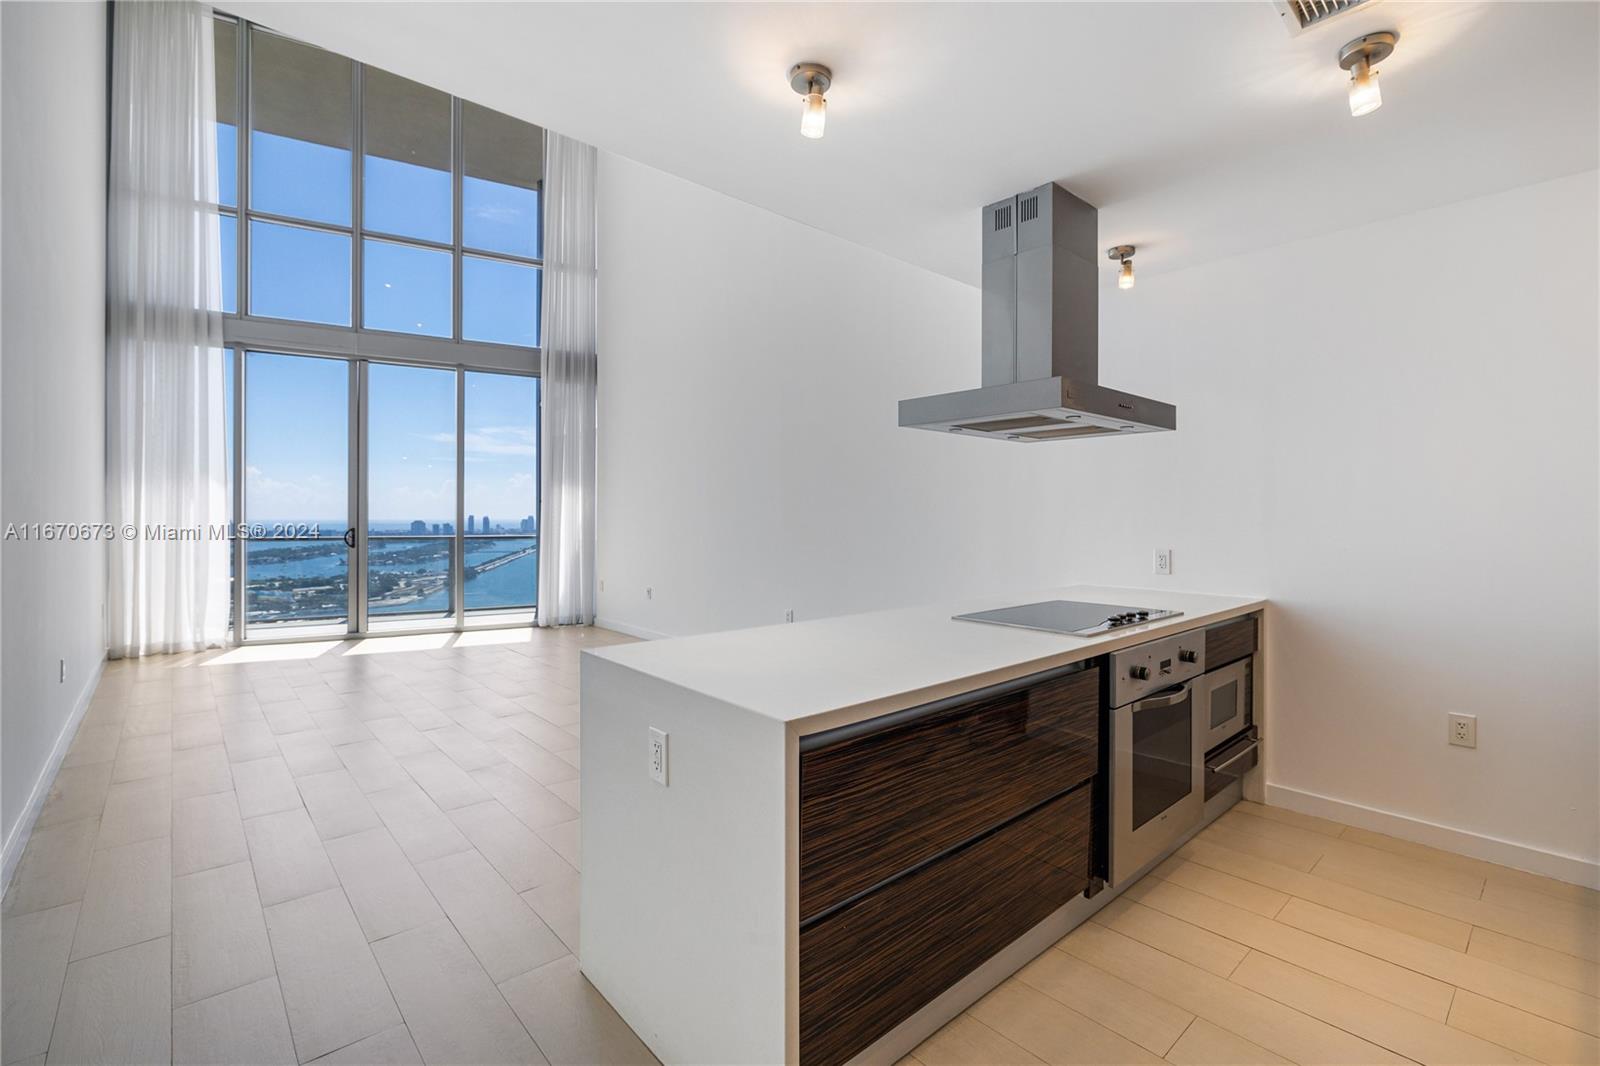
{"x":502,"y":493}
{"x":381,"y":496}
{"x":298,"y":536}
{"x":410,"y":506}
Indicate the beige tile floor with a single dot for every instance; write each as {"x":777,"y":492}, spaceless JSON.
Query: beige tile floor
{"x":368,"y":853}
{"x":1277,"y":937}
{"x":339,"y":852}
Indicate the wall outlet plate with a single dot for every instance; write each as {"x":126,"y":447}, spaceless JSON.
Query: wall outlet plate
{"x":1464,"y":730}
{"x":1161,"y":562}
{"x":788,"y":616}
{"x":658,"y":756}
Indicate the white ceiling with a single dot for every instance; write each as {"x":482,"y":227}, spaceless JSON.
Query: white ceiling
{"x":1201,"y":130}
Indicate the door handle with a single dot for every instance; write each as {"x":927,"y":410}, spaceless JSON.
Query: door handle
{"x":1165,"y":698}
{"x":350,"y":537}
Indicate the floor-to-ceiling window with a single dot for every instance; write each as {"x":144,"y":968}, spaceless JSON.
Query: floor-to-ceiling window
{"x":381,"y":274}
{"x":501,"y":492}
{"x":296,"y":490}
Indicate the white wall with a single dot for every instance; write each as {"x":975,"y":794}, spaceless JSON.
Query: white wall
{"x":750,"y":460}
{"x":1429,"y":524}
{"x":52,"y":379}
{"x":1391,"y":431}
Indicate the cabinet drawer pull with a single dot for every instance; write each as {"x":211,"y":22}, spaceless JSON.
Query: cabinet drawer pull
{"x":1234,"y":757}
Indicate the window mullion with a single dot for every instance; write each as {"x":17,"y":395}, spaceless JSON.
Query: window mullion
{"x":358,"y":257}
{"x":241,"y":164}
{"x":302,"y":223}
{"x":457,"y":178}
{"x":505,"y":257}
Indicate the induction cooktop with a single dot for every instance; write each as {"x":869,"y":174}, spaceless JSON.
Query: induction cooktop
{"x":1072,"y":617}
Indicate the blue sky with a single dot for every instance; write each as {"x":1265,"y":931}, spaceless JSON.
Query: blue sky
{"x":296,"y":446}
{"x":296,"y":451}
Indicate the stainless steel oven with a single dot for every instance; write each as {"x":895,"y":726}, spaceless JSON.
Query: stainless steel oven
{"x":1157,"y":750}
{"x":1224,"y":702}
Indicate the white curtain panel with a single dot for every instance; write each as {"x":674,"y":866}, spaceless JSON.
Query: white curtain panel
{"x":166,"y":478}
{"x":567,"y":386}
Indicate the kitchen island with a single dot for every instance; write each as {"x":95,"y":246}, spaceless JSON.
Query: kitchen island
{"x":720,"y":935}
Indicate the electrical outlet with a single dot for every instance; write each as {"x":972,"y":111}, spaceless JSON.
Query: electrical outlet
{"x":1464,"y":730}
{"x":658,"y":756}
{"x":1162,"y":562}
{"x":788,"y":616}
{"x":649,"y":593}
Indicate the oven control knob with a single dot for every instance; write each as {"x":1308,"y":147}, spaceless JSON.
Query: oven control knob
{"x":1187,"y":656}
{"x":1139,"y":673}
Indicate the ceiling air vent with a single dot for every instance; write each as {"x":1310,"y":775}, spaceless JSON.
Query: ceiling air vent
{"x":1301,"y":15}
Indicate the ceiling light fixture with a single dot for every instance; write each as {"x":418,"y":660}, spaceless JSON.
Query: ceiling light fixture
{"x":811,"y":80}
{"x":1123,"y":253}
{"x":1359,"y":57}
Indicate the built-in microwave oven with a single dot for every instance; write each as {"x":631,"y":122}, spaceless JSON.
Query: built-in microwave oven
{"x":1222,"y":698}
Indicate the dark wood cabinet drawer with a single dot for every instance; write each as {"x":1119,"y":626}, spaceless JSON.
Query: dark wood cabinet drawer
{"x":1230,"y":641}
{"x":868,"y":966}
{"x":874,"y":804}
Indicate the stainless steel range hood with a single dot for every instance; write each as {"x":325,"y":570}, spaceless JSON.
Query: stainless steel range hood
{"x":1041,"y":333}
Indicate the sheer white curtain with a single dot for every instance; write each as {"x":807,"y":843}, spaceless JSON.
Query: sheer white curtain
{"x":567,"y":386}
{"x":166,"y":477}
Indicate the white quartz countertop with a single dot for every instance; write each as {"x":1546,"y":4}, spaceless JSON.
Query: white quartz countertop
{"x":829,"y":672}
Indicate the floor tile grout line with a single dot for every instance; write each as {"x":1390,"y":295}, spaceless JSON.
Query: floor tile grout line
{"x":1193,"y":1017}
{"x":1491,"y":872}
{"x":55,"y":1017}
{"x":1380,"y":853}
{"x":1377,"y":1041}
{"x":1050,"y":995}
{"x":1261,"y":951}
{"x":375,"y":965}
{"x":1151,"y":992}
{"x":1454,"y":987}
{"x":973,"y":1017}
{"x":457,"y":930}
{"x":1342,"y":884}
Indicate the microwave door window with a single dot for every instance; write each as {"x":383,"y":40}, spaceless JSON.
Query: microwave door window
{"x":1163,"y":759}
{"x":1224,"y":704}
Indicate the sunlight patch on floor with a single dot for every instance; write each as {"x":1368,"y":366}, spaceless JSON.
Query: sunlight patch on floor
{"x":272,"y":653}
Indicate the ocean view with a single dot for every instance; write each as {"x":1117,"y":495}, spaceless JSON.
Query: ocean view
{"x":308,"y":580}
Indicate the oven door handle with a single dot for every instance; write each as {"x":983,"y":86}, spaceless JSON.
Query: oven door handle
{"x":1167,"y":697}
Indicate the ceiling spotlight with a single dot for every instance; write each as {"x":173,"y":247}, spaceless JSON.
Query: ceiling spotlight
{"x":1123,"y":253}
{"x":1359,"y":57}
{"x":811,"y":80}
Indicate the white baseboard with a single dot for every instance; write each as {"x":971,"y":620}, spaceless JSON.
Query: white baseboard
{"x":630,"y":629}
{"x":1569,"y":868}
{"x":18,"y":837}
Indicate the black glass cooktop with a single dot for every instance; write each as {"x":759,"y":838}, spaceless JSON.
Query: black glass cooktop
{"x":1072,"y":617}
